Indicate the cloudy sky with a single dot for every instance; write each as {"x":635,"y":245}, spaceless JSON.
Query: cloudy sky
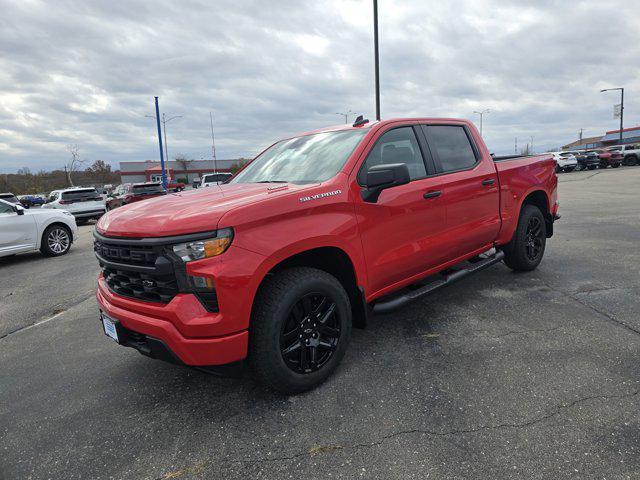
{"x":85,"y":72}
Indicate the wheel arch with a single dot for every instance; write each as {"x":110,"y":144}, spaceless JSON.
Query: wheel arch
{"x":333,"y":260}
{"x":540,"y":199}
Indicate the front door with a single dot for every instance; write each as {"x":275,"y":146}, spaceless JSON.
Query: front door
{"x":402,"y":231}
{"x":17,"y":232}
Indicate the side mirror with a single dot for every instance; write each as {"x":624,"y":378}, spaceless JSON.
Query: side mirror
{"x":381,"y":177}
{"x":19,"y":209}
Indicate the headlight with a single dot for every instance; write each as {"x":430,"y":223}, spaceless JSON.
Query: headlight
{"x":209,"y":247}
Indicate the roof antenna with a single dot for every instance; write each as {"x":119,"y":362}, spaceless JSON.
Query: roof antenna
{"x":360,"y":121}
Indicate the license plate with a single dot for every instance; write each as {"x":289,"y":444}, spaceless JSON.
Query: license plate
{"x":109,"y":326}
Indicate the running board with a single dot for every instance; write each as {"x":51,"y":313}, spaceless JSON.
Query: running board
{"x":400,"y":300}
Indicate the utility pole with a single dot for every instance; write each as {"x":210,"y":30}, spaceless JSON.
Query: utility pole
{"x":376,"y":53}
{"x":213,"y":145}
{"x":515,"y":149}
{"x":164,"y":174}
{"x":481,"y":113}
{"x":531,"y":145}
{"x":621,"y":107}
{"x":345,"y":115}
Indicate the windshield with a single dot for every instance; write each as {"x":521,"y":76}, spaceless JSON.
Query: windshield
{"x":9,"y":198}
{"x":147,"y":189}
{"x":309,"y":159}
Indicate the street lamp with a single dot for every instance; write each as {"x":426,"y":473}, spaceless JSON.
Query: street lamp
{"x":621,"y":107}
{"x":345,"y":115}
{"x":164,"y":128}
{"x":481,"y":113}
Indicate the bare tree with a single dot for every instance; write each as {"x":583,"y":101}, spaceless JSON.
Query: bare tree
{"x":74,"y":163}
{"x":184,"y":163}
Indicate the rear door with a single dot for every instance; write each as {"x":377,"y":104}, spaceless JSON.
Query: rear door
{"x":470,"y":187}
{"x":402,"y":232}
{"x":17,"y":232}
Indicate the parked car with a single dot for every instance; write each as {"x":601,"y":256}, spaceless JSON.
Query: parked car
{"x":9,"y":197}
{"x":50,"y":231}
{"x":210,"y":179}
{"x":196,"y":182}
{"x":279,"y":263}
{"x":565,"y":161}
{"x":587,"y":160}
{"x":83,"y":203}
{"x":29,"y":201}
{"x":134,"y":192}
{"x":609,"y":157}
{"x":175,"y":186}
{"x":630,"y":153}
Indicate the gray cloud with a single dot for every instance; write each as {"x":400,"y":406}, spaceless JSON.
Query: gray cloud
{"x":86,"y":72}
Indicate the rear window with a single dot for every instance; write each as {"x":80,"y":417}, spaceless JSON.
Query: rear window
{"x":147,"y":189}
{"x":9,"y":197}
{"x":216,"y":177}
{"x":81,"y":195}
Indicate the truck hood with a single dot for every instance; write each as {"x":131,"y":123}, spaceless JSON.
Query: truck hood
{"x":186,"y":212}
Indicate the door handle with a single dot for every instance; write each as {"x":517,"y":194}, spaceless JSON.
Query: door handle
{"x":432,"y":194}
{"x":488,"y":181}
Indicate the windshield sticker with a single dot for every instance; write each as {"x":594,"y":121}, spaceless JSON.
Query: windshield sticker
{"x":320,"y":195}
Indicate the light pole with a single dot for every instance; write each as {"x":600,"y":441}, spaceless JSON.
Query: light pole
{"x":345,"y":115}
{"x":164,"y":128}
{"x":376,"y":53}
{"x":481,"y":113}
{"x":621,"y":107}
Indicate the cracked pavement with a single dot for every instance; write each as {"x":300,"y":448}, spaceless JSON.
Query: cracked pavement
{"x":501,"y":375}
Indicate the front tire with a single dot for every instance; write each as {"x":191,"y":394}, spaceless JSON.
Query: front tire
{"x":526,"y":249}
{"x":300,"y":329}
{"x":56,"y":241}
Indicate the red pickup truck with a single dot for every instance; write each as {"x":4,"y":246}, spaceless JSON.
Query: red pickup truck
{"x":320,"y":229}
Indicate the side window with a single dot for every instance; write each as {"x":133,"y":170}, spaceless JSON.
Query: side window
{"x":452,"y":147}
{"x":399,"y":145}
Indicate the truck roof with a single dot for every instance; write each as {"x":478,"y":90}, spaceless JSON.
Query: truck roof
{"x":349,"y":126}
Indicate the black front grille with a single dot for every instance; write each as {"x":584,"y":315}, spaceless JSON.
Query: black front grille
{"x":140,"y":285}
{"x":137,"y":271}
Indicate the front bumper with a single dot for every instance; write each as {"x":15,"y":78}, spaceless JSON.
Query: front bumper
{"x":89,"y":214}
{"x":153,"y":324}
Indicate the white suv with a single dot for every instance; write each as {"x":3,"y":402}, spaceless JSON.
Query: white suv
{"x":50,"y":231}
{"x":565,"y":161}
{"x":82,"y":203}
{"x":210,"y":179}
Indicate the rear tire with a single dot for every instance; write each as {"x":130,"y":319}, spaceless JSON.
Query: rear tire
{"x":630,"y":160}
{"x":56,"y":241}
{"x":615,"y":165}
{"x":300,"y":329}
{"x":592,"y":167}
{"x":525,"y":250}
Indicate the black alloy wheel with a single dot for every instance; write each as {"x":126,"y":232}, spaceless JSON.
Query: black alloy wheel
{"x":534,"y":238}
{"x":310,"y":334}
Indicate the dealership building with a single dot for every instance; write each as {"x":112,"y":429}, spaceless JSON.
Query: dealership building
{"x":611,"y":138}
{"x":149,"y":170}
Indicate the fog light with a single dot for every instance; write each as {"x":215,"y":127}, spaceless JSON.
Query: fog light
{"x":202,"y":283}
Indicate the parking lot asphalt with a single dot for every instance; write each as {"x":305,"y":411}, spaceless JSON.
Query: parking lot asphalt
{"x":501,"y":375}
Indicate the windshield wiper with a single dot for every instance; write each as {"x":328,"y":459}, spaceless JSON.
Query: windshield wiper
{"x":272,"y":181}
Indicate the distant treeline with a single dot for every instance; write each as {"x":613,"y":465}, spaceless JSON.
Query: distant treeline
{"x":24,"y":182}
